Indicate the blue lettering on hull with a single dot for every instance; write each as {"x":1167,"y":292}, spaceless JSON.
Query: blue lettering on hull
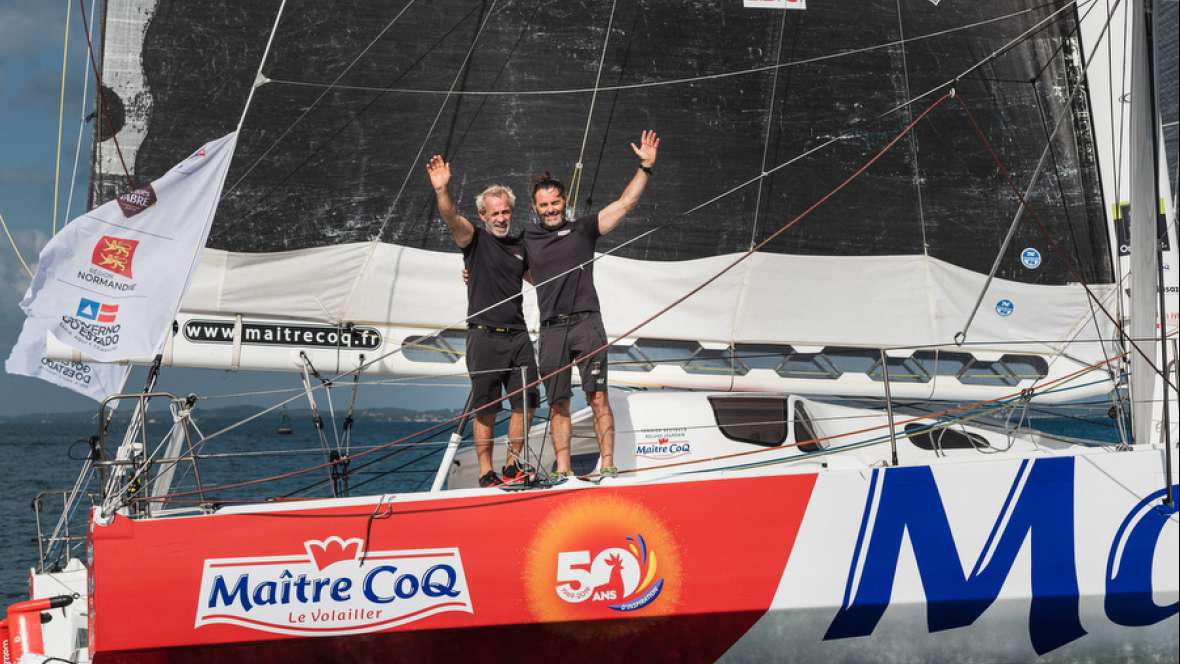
{"x":1128,"y":579}
{"x":910,"y":503}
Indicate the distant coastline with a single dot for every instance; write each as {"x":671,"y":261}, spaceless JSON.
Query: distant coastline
{"x":297,"y":415}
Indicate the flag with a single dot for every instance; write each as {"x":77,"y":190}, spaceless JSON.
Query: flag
{"x":96,"y":381}
{"x":110,"y":283}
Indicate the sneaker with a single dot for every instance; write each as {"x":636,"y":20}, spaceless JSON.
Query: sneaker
{"x":609,"y":471}
{"x":490,"y":479}
{"x":517,"y":471}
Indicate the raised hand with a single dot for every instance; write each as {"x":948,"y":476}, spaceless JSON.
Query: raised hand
{"x":439,"y":172}
{"x":649,"y":145}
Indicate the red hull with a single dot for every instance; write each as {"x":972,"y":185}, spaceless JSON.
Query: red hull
{"x":674,"y":570}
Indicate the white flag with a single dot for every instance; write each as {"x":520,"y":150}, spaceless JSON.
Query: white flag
{"x":110,"y":283}
{"x":96,"y":381}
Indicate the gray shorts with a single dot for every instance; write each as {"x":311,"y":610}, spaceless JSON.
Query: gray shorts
{"x":494,"y":360}
{"x":564,"y":342}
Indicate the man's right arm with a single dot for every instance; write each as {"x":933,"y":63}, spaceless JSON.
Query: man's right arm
{"x":440,"y":176}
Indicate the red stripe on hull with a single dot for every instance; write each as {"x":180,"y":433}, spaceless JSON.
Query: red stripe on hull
{"x":671,"y":570}
{"x":699,"y":638}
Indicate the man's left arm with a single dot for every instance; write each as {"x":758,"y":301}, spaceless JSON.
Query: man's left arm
{"x":611,"y":215}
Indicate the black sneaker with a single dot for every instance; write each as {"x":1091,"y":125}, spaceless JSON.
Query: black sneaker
{"x":490,"y":479}
{"x":517,"y":472}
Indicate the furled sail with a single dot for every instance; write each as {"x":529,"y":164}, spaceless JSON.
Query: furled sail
{"x":327,"y":229}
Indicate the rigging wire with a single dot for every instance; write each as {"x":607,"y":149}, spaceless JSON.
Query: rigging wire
{"x":15,"y":249}
{"x":81,"y":122}
{"x":261,"y":80}
{"x":61,"y":115}
{"x":103,"y":111}
{"x":798,"y":218}
{"x":417,"y":158}
{"x":850,"y":129}
{"x":576,"y":178}
{"x":272,"y":188}
{"x":1053,"y":243}
{"x":959,"y":408}
{"x":421,"y":148}
{"x":802,"y":215}
{"x":778,"y":55}
{"x":710,"y":77}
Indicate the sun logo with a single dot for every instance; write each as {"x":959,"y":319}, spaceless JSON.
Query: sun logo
{"x":602,"y":557}
{"x":114,"y":254}
{"x":624,"y":578}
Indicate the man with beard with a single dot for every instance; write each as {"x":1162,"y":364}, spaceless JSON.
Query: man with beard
{"x":571,"y":322}
{"x":498,"y":342}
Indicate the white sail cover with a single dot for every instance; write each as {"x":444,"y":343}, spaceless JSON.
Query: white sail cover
{"x":110,"y":283}
{"x":898,"y":301}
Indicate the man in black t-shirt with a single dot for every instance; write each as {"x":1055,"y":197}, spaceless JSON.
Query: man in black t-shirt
{"x":571,"y":322}
{"x":498,"y":342}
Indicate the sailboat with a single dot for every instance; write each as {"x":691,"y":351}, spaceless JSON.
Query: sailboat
{"x":284,"y":428}
{"x":878,"y":235}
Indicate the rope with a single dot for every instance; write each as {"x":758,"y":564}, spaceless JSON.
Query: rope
{"x":61,"y":113}
{"x":576,"y":178}
{"x":15,"y":249}
{"x":81,"y":123}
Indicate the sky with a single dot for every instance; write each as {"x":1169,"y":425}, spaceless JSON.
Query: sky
{"x":31,"y":49}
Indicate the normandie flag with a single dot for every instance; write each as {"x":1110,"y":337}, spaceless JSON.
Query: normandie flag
{"x":111,"y":282}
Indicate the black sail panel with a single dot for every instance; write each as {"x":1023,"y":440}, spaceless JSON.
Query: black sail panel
{"x":348,"y":167}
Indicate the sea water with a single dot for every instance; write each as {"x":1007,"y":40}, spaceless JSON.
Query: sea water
{"x":44,"y":455}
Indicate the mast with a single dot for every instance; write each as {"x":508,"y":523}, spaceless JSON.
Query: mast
{"x":1145,"y":264}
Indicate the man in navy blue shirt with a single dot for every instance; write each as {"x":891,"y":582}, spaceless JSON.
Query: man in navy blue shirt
{"x":498,"y":342}
{"x":560,"y":255}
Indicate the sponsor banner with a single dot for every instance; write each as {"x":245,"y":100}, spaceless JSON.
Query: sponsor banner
{"x":283,"y":334}
{"x":110,"y":283}
{"x":663,"y":445}
{"x":333,"y":588}
{"x":1008,"y":559}
{"x":677,"y":568}
{"x":27,"y":358}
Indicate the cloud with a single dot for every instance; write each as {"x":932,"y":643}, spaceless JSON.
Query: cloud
{"x":26,"y":24}
{"x":13,"y":278}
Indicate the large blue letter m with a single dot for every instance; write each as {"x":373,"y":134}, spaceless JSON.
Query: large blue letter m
{"x":910,"y":502}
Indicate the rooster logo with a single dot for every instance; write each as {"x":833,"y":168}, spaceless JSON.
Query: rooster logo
{"x":624,"y":577}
